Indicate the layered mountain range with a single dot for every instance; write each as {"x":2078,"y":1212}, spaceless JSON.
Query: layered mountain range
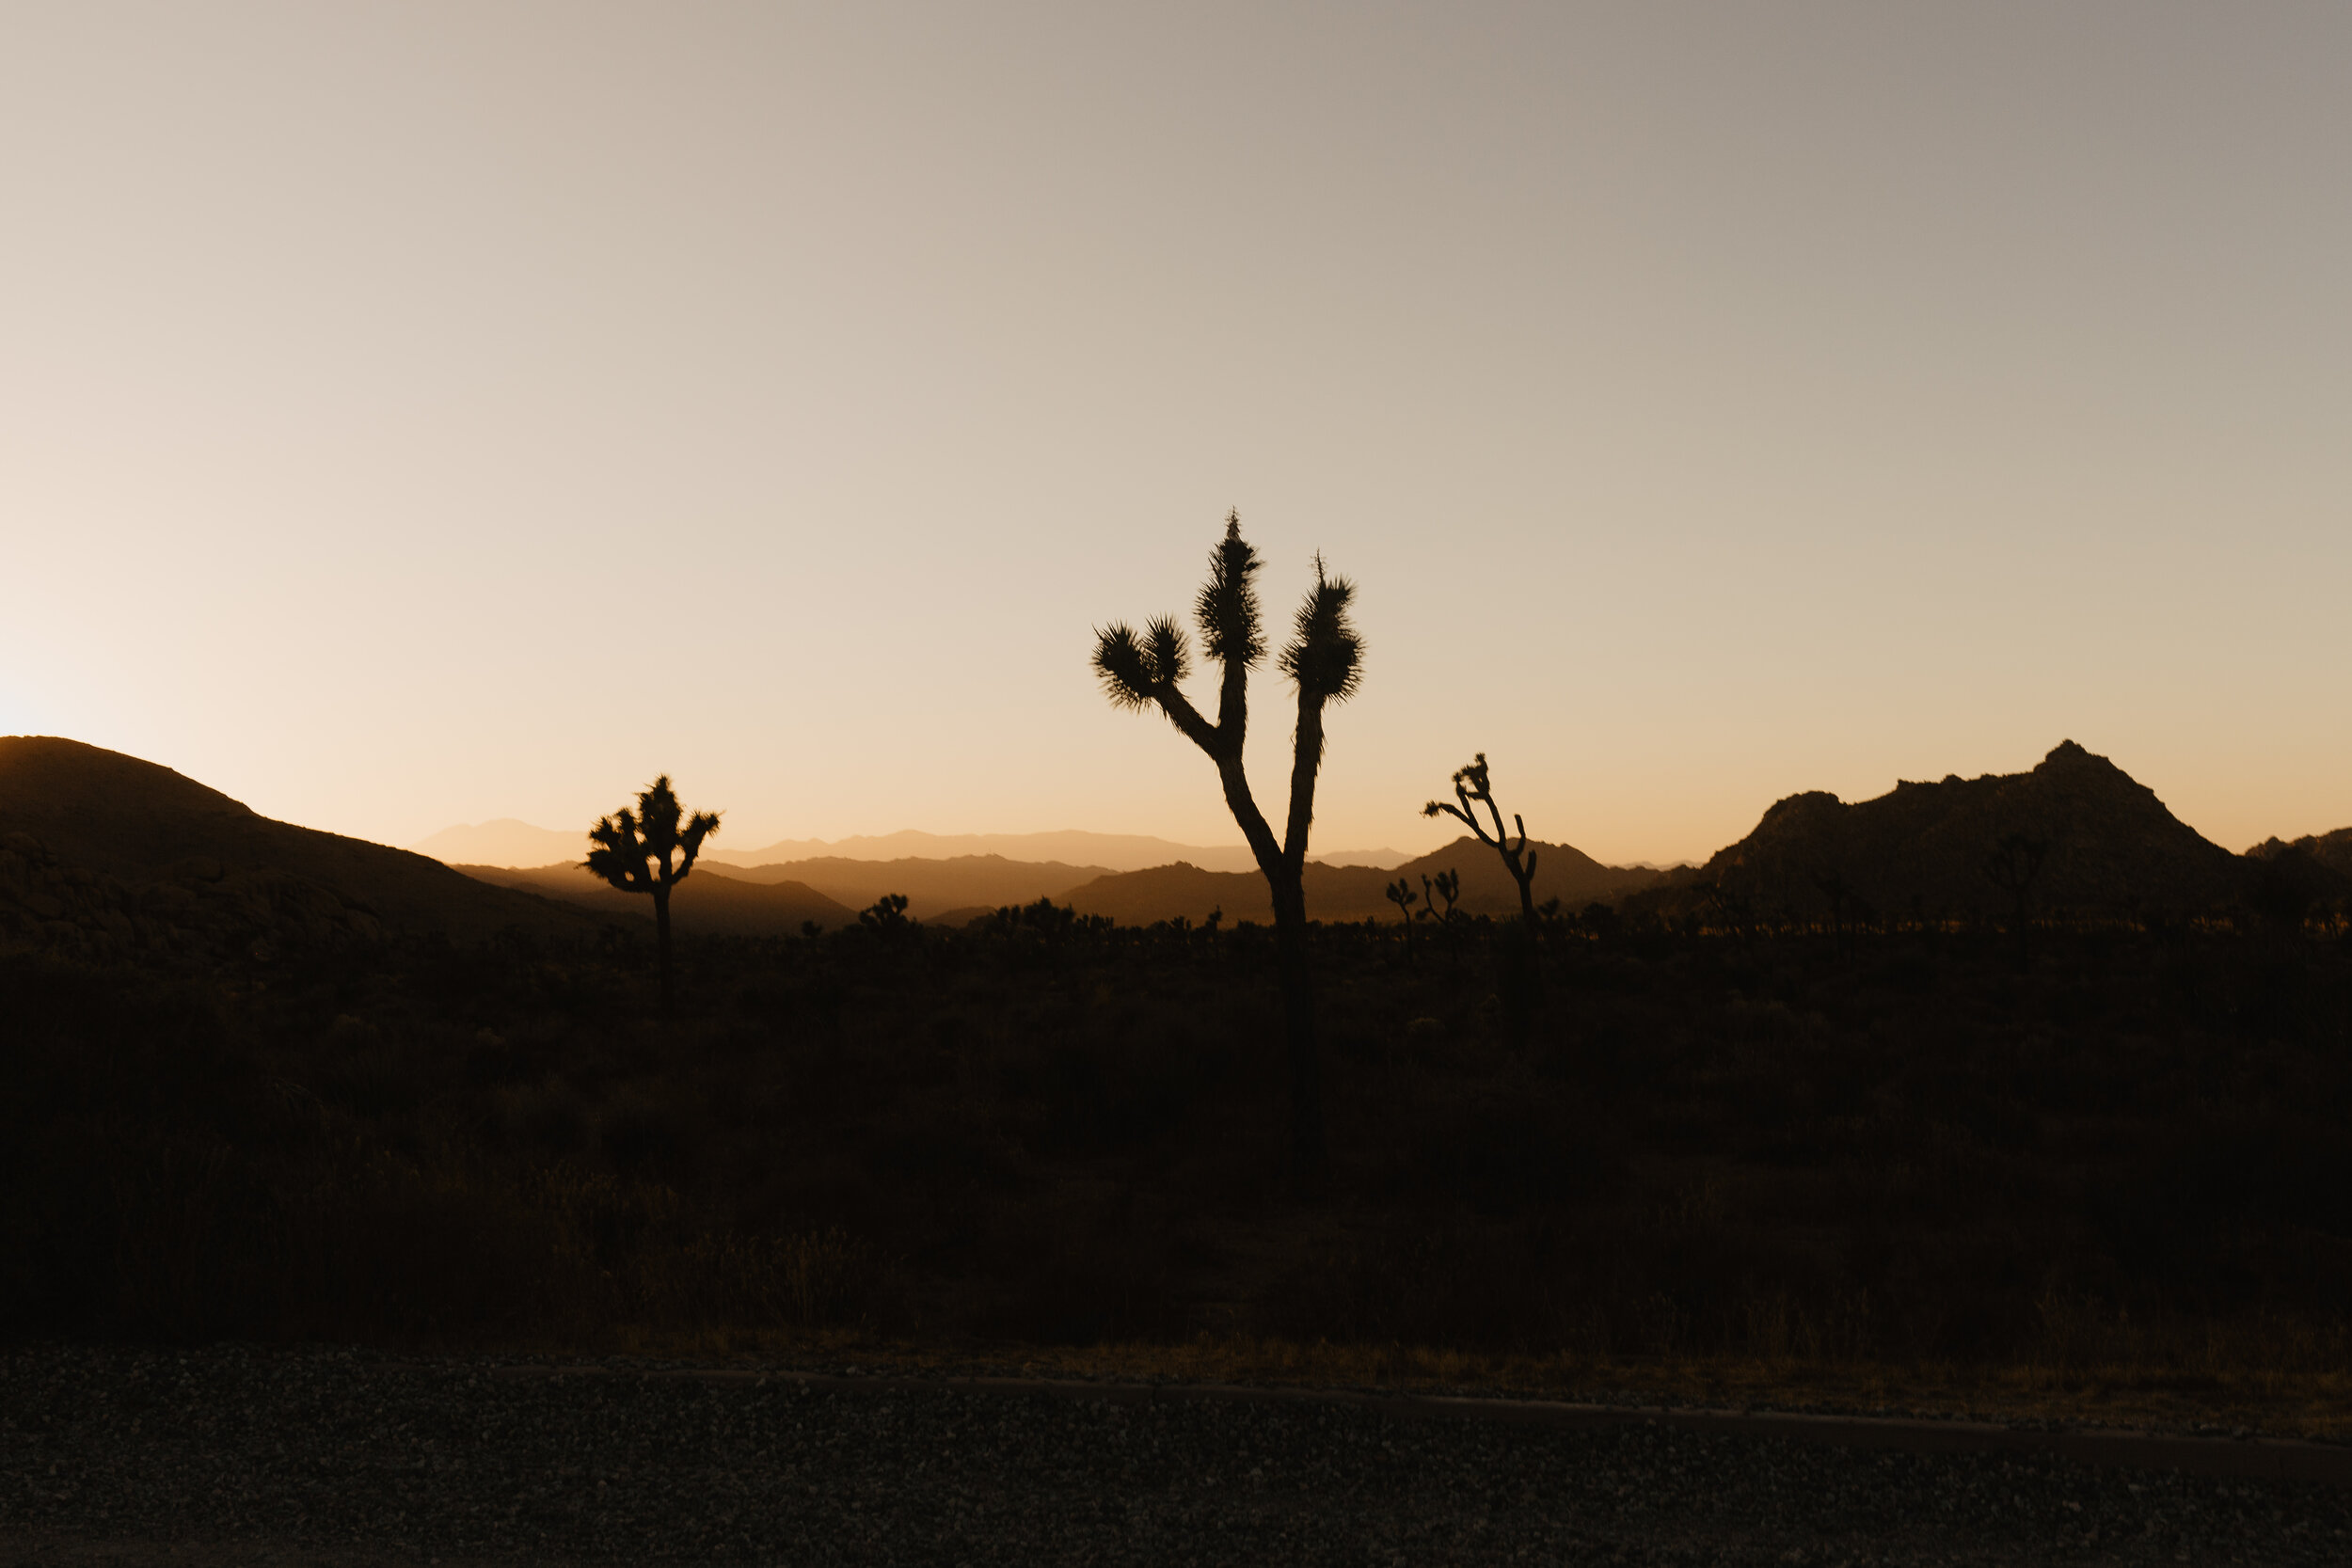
{"x":510,"y":845}
{"x":104,"y":855}
{"x":962,"y":888}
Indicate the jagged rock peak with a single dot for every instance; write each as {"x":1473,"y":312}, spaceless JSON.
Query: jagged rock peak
{"x":1811,"y":800}
{"x":2112,"y":846}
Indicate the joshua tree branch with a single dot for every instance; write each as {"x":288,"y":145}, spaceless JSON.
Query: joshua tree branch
{"x":1306,"y":757}
{"x":1222,"y":750}
{"x":1434,"y":807}
{"x":1249,"y":818}
{"x":1187,"y":719}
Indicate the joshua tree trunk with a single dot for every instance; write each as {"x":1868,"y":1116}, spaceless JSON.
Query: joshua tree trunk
{"x":1284,"y":868}
{"x":1302,"y":1044}
{"x":662,"y":940}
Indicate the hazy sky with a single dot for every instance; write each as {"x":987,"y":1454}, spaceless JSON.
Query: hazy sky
{"x":418,"y":414}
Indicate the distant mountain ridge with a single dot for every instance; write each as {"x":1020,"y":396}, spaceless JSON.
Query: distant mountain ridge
{"x":964,"y":886}
{"x":1069,"y":846}
{"x":505,"y":842}
{"x":1358,"y":893}
{"x":931,"y":887}
{"x":708,"y":903}
{"x":771,"y":899}
{"x":521,"y":846}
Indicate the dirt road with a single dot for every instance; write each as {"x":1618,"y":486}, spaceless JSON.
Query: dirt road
{"x":228,"y":1455}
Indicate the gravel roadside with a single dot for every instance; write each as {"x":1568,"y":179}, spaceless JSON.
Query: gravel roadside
{"x":131,"y":1457}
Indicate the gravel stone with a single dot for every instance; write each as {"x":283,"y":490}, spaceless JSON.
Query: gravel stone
{"x":232,"y":1455}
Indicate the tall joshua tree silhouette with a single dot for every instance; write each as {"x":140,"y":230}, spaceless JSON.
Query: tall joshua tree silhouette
{"x":1471,"y":791}
{"x":1325,"y":661}
{"x":650,"y":851}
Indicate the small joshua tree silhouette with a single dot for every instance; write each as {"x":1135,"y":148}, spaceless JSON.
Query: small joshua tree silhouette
{"x":1324,"y":662}
{"x":887,"y":914}
{"x":648,"y":851}
{"x":1401,"y":894}
{"x":1447,"y":886}
{"x":1471,"y":791}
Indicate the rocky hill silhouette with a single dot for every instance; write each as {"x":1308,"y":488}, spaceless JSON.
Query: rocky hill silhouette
{"x":2289,"y":883}
{"x":2113,"y":848}
{"x":2330,"y":850}
{"x":104,"y":856}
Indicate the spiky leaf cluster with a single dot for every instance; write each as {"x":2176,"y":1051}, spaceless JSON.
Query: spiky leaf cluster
{"x":1134,"y":671}
{"x":1325,"y":656}
{"x":654,"y":845}
{"x":1469,"y":784}
{"x":1227,"y":607}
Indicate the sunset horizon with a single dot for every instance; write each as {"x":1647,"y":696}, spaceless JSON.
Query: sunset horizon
{"x":1706,"y":413}
{"x":1041,"y":785}
{"x":1413,"y":836}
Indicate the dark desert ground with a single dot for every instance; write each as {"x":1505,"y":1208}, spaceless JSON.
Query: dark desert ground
{"x":295,"y":1123}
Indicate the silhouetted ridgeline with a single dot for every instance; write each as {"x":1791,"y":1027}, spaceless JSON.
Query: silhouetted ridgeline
{"x":2114,"y":851}
{"x":2331,"y":853}
{"x":115,"y":857}
{"x":773,"y":900}
{"x":110,"y":857}
{"x":932,"y":887}
{"x":1110,"y":851}
{"x":519,"y":845}
{"x":709,"y":903}
{"x":1354,"y":891}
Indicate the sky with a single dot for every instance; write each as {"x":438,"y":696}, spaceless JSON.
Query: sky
{"x":428,"y":412}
